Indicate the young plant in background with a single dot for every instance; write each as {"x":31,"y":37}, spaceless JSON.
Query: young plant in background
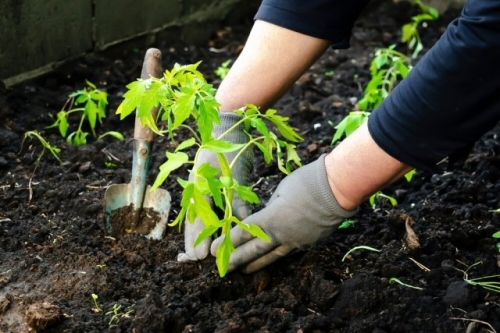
{"x":387,"y":68}
{"x":497,"y":236}
{"x":223,"y":69}
{"x":361,"y":247}
{"x":396,"y":280}
{"x":409,"y":32}
{"x":92,"y":104}
{"x":181,"y":94}
{"x":45,"y":144}
{"x":484,"y":281}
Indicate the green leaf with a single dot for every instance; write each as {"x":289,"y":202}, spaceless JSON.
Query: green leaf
{"x":114,"y":134}
{"x":205,"y":233}
{"x":91,"y":111}
{"x":63,"y":123}
{"x":221,"y":146}
{"x":174,"y":161}
{"x":223,"y":255}
{"x":82,"y":98}
{"x":186,"y":144}
{"x":434,"y":13}
{"x":90,"y":84}
{"x":409,"y":175}
{"x":183,"y":107}
{"x":203,"y":209}
{"x":340,"y":130}
{"x":292,"y":155}
{"x":208,"y":178}
{"x":346,"y":224}
{"x":285,"y":130}
{"x":496,"y":234}
{"x":149,"y":99}
{"x":133,"y":97}
{"x":260,"y":126}
{"x":408,"y":30}
{"x":268,"y":156}
{"x":246,"y":193}
{"x":380,"y":61}
{"x":254,"y":230}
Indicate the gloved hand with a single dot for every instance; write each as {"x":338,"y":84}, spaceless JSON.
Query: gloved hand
{"x":241,"y":172}
{"x":301,"y":212}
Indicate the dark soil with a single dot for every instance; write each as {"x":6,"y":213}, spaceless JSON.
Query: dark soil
{"x":55,"y":255}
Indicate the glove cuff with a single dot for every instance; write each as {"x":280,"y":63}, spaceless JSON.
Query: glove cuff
{"x":228,"y":120}
{"x":323,"y":192}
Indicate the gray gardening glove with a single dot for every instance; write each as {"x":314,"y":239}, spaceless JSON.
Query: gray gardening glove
{"x":241,"y":172}
{"x":301,"y":212}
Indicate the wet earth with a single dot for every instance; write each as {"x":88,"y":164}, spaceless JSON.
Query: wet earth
{"x":55,"y":255}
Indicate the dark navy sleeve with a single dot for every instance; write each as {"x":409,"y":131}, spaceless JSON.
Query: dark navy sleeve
{"x":331,"y":20}
{"x":451,"y":97}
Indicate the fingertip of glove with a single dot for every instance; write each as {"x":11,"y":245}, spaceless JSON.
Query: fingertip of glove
{"x":184,"y":257}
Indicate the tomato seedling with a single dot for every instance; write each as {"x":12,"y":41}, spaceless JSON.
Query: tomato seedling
{"x":54,"y":150}
{"x":182,"y":94}
{"x":223,"y":69}
{"x":92,"y":102}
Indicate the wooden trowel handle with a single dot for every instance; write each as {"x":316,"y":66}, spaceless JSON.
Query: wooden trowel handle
{"x":150,"y":68}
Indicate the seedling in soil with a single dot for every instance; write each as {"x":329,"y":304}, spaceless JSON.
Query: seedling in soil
{"x":409,"y":32}
{"x":497,"y":235}
{"x":381,"y":196}
{"x":481,"y":281}
{"x":46,"y":145}
{"x":116,"y":314}
{"x":97,"y":307}
{"x":346,"y":224}
{"x":395,"y":280}
{"x":92,"y":102}
{"x":361,"y":247}
{"x":223,"y":69}
{"x":110,"y":165}
{"x":182,"y":93}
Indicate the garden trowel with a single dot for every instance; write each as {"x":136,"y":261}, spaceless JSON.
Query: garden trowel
{"x":134,"y":207}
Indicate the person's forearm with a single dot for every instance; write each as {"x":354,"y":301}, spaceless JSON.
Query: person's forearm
{"x":358,"y":167}
{"x":272,"y":60}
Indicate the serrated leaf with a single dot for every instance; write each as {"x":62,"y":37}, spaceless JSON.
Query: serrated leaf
{"x":132,"y":97}
{"x":186,"y":144}
{"x":268,"y":156}
{"x":221,"y":146}
{"x":254,"y":230}
{"x":182,"y":108}
{"x":149,"y":100}
{"x":260,"y":126}
{"x":174,"y":161}
{"x":203,"y":209}
{"x":292,"y":155}
{"x":285,"y":130}
{"x":209,"y":176}
{"x":223,"y":255}
{"x":208,"y":231}
{"x":340,"y":130}
{"x":247,"y":194}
